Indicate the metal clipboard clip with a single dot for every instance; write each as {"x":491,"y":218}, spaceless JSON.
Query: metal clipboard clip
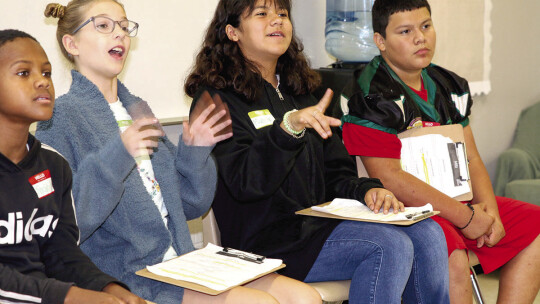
{"x":246,"y":256}
{"x":419,"y":215}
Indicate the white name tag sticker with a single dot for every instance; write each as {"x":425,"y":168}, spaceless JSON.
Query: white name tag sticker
{"x":261,"y":118}
{"x":42,"y":183}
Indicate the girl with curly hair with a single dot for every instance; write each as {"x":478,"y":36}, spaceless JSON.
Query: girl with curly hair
{"x":282,"y":158}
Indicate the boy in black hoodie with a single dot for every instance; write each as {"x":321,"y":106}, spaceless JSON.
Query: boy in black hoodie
{"x":40,"y":261}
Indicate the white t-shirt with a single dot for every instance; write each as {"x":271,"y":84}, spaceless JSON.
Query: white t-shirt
{"x":146,"y":171}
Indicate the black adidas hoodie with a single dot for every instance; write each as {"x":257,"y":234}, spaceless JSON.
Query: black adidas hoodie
{"x":39,"y":254}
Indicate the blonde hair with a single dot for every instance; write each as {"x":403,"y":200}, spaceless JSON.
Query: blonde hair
{"x":69,"y":18}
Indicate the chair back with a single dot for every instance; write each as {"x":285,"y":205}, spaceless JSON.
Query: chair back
{"x":527,"y":136}
{"x":210,"y":229}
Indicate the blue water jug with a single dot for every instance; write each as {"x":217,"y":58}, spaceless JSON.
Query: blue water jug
{"x":349,"y":32}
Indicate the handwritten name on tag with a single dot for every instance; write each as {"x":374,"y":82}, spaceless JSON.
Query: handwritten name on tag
{"x":42,"y":183}
{"x":261,"y":118}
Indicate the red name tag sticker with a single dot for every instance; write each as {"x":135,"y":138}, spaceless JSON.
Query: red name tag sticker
{"x":426,"y":124}
{"x":42,"y":183}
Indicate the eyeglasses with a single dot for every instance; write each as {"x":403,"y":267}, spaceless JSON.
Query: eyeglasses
{"x":106,"y":25}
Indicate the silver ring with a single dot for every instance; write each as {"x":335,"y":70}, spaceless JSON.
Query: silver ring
{"x":388,"y":195}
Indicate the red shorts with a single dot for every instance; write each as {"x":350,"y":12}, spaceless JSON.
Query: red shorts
{"x":520,"y":221}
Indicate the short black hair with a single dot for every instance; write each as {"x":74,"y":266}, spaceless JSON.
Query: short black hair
{"x":383,"y":9}
{"x":10,"y":35}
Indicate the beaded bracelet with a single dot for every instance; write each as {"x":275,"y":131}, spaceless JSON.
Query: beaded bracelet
{"x":470,"y":220}
{"x":294,"y":133}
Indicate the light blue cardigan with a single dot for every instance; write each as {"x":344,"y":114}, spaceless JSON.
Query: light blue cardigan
{"x":121,"y":229}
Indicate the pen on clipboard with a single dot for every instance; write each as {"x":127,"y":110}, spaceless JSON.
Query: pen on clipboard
{"x":246,"y":256}
{"x":419,"y":215}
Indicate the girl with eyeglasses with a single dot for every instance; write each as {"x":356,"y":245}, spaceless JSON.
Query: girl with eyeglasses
{"x":134,"y":190}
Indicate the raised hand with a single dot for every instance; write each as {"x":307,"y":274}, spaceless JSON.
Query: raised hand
{"x":209,"y":122}
{"x":142,"y":137}
{"x":313,"y":117}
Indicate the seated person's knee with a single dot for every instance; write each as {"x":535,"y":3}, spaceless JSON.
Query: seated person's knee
{"x":307,"y":296}
{"x":458,"y":264}
{"x":266,"y":299}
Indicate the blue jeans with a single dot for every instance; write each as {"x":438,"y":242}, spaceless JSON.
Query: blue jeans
{"x":386,"y":263}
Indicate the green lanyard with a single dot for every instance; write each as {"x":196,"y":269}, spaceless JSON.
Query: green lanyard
{"x":426,"y":107}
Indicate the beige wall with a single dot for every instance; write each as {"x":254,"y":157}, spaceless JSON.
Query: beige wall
{"x":515,"y":76}
{"x":515,"y":68}
{"x":161,"y":55}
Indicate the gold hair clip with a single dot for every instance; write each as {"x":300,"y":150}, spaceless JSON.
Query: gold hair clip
{"x":59,"y":11}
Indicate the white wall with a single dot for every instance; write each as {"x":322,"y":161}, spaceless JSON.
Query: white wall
{"x":176,"y":33}
{"x":161,"y":55}
{"x":309,"y":19}
{"x":515,"y":77}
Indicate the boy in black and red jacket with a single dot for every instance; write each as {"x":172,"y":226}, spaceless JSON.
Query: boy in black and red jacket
{"x":402,"y":89}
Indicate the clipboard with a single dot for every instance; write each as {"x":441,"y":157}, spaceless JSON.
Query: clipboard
{"x":311,"y":212}
{"x":455,"y":133}
{"x":200,"y":288}
{"x":197,"y":287}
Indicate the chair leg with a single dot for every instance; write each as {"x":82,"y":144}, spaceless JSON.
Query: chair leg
{"x":476,"y":288}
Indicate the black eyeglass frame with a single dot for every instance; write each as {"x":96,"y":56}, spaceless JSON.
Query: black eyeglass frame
{"x":93,"y":18}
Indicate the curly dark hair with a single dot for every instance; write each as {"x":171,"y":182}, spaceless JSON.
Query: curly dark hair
{"x":220,"y":63}
{"x":11,"y":34}
{"x":383,"y":9}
